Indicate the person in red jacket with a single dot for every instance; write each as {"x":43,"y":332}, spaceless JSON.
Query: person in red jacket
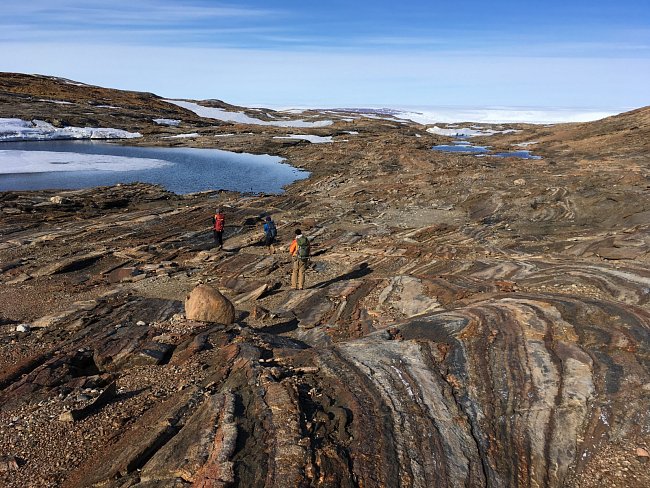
{"x":218,"y":223}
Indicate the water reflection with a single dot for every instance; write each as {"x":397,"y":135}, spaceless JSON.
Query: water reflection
{"x":184,"y":170}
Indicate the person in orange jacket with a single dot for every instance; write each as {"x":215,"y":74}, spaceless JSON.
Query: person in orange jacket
{"x":218,"y":224}
{"x":299,"y":251}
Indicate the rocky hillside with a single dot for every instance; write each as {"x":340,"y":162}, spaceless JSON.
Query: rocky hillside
{"x":465,"y":321}
{"x":621,"y":138}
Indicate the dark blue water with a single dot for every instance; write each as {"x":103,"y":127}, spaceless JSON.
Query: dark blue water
{"x":191,"y":169}
{"x":461,"y":148}
{"x":516,"y":154}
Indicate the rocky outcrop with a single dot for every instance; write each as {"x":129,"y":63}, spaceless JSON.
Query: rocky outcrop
{"x":456,"y":328}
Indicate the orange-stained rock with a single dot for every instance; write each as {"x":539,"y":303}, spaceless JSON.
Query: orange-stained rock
{"x":206,"y":304}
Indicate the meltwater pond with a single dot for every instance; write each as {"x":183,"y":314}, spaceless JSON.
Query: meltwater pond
{"x":84,"y":164}
{"x":516,"y":154}
{"x":464,"y":147}
{"x":461,"y":148}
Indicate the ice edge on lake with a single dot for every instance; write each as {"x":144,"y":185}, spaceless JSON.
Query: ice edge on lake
{"x":12,"y":130}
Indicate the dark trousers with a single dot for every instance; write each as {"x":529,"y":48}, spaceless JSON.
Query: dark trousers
{"x":218,"y":236}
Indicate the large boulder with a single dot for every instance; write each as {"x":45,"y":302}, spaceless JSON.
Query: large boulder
{"x":206,"y":304}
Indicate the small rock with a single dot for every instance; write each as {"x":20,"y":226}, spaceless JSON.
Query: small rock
{"x":506,"y":286}
{"x":66,"y":416}
{"x":25,"y":328}
{"x":520,"y":182}
{"x":177,"y":317}
{"x":259,"y":313}
{"x":8,"y":463}
{"x":59,"y":200}
{"x":123,"y":274}
{"x":12,"y":211}
{"x":140,"y":323}
{"x":395,"y":334}
{"x":642,"y":454}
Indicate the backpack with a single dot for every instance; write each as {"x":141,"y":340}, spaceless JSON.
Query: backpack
{"x":303,"y":248}
{"x":271,"y":230}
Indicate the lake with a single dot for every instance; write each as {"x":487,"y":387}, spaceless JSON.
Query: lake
{"x":85,"y":164}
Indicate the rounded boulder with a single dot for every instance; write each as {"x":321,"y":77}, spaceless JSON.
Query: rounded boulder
{"x":206,"y":304}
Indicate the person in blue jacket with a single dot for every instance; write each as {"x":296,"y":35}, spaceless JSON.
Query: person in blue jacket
{"x":270,"y":233}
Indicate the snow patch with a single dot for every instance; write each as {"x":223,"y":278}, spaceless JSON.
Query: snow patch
{"x":312,"y":139}
{"x":168,"y":122}
{"x":183,"y":136}
{"x":241,"y":117}
{"x":38,"y":130}
{"x":13,"y":161}
{"x":60,"y":102}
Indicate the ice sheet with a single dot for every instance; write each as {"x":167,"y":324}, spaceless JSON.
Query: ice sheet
{"x":466,"y":131}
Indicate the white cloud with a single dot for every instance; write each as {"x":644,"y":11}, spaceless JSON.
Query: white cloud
{"x":119,"y":12}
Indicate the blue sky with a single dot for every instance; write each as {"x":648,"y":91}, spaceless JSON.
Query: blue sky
{"x":571,"y":53}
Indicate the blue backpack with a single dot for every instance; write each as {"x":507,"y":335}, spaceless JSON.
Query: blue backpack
{"x":271,"y":230}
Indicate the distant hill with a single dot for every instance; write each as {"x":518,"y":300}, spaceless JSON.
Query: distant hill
{"x":625,"y":135}
{"x":60,"y":89}
{"x":69,"y":103}
{"x":64,"y":102}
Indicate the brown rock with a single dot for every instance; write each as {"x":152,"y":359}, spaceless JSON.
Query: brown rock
{"x":122,"y":274}
{"x":259,"y":313}
{"x":506,"y":286}
{"x":615,"y":253}
{"x":8,"y":463}
{"x":206,"y":304}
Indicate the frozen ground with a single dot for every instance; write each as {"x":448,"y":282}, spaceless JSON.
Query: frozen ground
{"x":38,"y":130}
{"x":12,"y":162}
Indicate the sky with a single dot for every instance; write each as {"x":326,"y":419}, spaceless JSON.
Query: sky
{"x":585,"y":54}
